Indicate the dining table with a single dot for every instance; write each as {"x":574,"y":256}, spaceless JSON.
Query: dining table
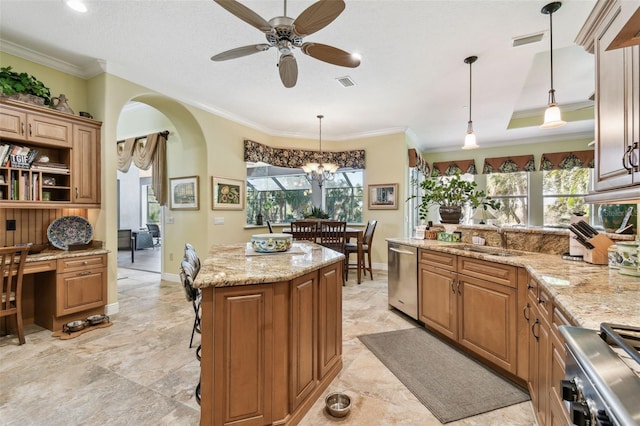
{"x":350,"y":232}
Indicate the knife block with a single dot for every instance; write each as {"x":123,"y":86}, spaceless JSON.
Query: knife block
{"x":599,"y":254}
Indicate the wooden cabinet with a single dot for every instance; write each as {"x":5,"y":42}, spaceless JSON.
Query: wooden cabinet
{"x":546,"y":358}
{"x":272,"y":348}
{"x":81,"y":284}
{"x":617,"y":100}
{"x":472,"y":302}
{"x":68,"y":289}
{"x":72,"y":145}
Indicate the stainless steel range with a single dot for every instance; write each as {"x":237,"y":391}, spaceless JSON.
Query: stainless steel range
{"x":602,"y":383}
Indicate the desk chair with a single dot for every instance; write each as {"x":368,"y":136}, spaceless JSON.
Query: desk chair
{"x":154,"y":229}
{"x":12,"y":261}
{"x":306,"y":230}
{"x":352,"y":248}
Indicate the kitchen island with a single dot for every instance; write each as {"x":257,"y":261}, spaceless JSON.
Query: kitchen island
{"x":271,"y":332}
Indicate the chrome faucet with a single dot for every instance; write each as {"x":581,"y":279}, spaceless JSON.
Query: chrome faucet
{"x":503,"y":236}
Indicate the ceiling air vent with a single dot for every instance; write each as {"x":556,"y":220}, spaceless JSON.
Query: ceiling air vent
{"x":346,"y":81}
{"x":528,"y":39}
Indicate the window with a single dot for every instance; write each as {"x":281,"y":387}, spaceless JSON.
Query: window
{"x":511,"y":189}
{"x":282,"y":195}
{"x":563,"y":193}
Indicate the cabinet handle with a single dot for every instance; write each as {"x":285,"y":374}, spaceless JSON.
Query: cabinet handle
{"x":77,"y":195}
{"x":633,"y":156}
{"x":524,"y":312}
{"x":626,"y":159}
{"x":459,"y":291}
{"x":30,"y":132}
{"x":453,"y":283}
{"x":84,"y":273}
{"x":22,"y":128}
{"x":533,"y":331}
{"x":541,"y":301}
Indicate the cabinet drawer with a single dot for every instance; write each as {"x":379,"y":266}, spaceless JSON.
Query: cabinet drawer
{"x":439,"y":260}
{"x":81,"y":290}
{"x":498,"y":273}
{"x":80,"y":263}
{"x":49,"y":130}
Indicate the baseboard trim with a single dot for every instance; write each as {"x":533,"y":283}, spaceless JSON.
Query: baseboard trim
{"x":112,"y":308}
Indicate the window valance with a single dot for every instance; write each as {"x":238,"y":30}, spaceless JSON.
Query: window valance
{"x":296,"y":158}
{"x":567,"y":160}
{"x":518,"y":163}
{"x":449,"y":168}
{"x":145,"y":152}
{"x":416,"y":160}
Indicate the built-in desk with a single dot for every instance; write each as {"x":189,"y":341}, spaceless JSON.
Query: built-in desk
{"x":61,"y":286}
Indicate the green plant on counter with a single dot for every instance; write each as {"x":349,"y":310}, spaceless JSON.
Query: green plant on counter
{"x":12,"y":82}
{"x":316,"y":213}
{"x":452,"y":191}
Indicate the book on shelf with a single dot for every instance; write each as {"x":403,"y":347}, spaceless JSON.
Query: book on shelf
{"x":17,"y":156}
{"x":50,"y":167}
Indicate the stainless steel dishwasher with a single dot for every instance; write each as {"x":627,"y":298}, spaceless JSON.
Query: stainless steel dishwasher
{"x":403,"y":278}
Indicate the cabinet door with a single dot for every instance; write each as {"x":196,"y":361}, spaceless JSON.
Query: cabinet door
{"x":539,"y":360}
{"x":86,"y":165}
{"x":438,"y":300}
{"x":329,"y":318}
{"x":487,"y":321}
{"x":12,"y":123}
{"x":614,"y":82}
{"x":80,"y":291}
{"x":49,"y":130}
{"x":559,"y":413}
{"x":304,"y":376}
{"x":243,"y":355}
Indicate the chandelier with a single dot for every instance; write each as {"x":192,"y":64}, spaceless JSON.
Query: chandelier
{"x":320,"y":172}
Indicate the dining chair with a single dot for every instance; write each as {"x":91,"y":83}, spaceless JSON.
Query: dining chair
{"x":12,"y":260}
{"x":367,"y":240}
{"x":333,"y":235}
{"x":306,"y":230}
{"x":193,"y":295}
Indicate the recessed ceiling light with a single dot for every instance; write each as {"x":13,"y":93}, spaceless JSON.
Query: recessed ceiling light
{"x":77,"y":5}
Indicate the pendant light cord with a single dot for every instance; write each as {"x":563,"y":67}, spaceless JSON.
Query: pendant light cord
{"x":320,"y":117}
{"x":470,"y":87}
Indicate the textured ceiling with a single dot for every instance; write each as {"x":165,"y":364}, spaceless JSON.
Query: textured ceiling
{"x":412,"y":78}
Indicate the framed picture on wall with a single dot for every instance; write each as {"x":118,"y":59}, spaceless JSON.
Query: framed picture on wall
{"x":183,"y":193}
{"x":228,"y":194}
{"x":384,"y":196}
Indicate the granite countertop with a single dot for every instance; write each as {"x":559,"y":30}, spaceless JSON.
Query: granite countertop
{"x":237,"y":264}
{"x":589,"y":294}
{"x":55,"y":254}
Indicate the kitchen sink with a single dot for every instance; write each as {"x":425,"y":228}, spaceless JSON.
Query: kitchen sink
{"x":491,"y":251}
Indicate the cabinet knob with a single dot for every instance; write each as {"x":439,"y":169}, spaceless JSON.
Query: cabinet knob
{"x":85,"y":262}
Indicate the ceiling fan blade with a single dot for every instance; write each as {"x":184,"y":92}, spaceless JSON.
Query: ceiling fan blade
{"x":239,"y":52}
{"x":288,"y":68}
{"x":330,"y":54}
{"x":317,"y":16}
{"x":246,"y":14}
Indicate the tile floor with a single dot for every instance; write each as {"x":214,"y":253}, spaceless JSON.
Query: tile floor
{"x":140,"y":371}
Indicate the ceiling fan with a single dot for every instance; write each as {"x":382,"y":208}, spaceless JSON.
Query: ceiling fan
{"x":286,"y":34}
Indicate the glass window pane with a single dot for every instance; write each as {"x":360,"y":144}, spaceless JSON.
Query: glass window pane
{"x":293,"y":182}
{"x":566,"y":182}
{"x":512,"y":184}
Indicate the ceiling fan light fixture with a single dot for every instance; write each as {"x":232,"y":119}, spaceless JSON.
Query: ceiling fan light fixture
{"x":470,"y":138}
{"x":552,"y":115}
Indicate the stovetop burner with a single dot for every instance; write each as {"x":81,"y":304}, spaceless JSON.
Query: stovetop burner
{"x":623,"y":336}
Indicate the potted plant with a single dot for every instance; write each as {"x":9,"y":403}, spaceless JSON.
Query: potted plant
{"x":316,"y":213}
{"x":451,"y":194}
{"x":22,"y":86}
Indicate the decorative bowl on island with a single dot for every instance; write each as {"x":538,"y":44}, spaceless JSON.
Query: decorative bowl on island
{"x":271,"y":243}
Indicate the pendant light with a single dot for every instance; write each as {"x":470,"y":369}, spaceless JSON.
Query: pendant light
{"x":470,"y":138}
{"x":552,"y":116}
{"x":320,"y":172}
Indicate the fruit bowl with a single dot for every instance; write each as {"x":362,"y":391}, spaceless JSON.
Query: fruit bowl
{"x":271,"y":243}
